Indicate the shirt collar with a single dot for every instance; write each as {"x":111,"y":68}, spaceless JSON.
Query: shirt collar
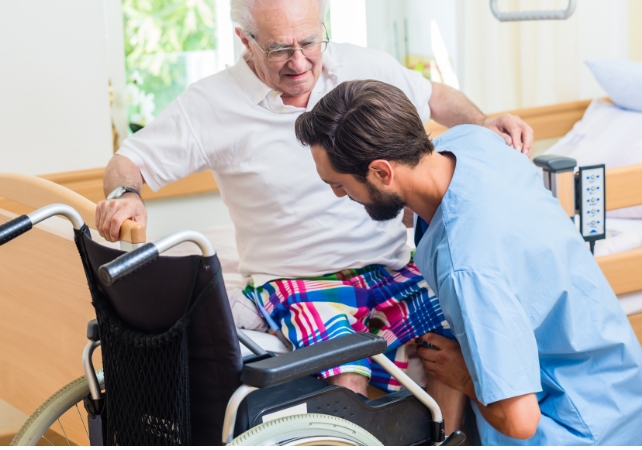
{"x":249,"y":82}
{"x":258,"y":90}
{"x":330,"y":65}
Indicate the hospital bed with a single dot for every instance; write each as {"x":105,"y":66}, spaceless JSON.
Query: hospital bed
{"x":42,"y":325}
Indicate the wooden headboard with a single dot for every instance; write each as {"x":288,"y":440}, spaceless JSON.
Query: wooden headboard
{"x":547,"y":121}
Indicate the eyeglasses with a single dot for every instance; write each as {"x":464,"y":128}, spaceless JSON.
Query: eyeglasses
{"x":283,"y":54}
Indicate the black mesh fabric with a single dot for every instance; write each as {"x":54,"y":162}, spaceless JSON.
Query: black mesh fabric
{"x":170,"y":351}
{"x":147,"y":376}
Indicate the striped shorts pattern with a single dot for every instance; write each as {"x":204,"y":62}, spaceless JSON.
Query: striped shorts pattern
{"x":397,"y":305}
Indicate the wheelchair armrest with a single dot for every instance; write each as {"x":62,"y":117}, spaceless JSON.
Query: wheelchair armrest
{"x":312,"y":359}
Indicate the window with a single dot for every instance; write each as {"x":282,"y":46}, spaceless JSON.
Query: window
{"x":170,"y":44}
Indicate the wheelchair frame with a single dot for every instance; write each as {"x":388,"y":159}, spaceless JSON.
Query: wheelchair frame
{"x":267,"y":371}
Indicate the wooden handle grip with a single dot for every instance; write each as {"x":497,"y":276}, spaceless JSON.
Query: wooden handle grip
{"x":133,"y":232}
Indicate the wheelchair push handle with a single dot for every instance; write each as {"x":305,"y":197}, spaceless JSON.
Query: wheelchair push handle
{"x":127,"y":263}
{"x":14,"y":228}
{"x":134,"y":260}
{"x":22,"y":224}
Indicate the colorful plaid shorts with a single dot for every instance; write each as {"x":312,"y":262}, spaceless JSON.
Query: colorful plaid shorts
{"x":397,"y":305}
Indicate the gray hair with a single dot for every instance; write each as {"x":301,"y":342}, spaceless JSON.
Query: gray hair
{"x":241,"y":12}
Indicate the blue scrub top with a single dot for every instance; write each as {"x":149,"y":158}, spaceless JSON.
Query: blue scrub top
{"x":527,"y":301}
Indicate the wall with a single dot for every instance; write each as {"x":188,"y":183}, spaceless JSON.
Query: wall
{"x":115,"y":43}
{"x":402,"y":27}
{"x":348,"y":19}
{"x":54,"y":113}
{"x":635,"y":30}
{"x":525,"y":64}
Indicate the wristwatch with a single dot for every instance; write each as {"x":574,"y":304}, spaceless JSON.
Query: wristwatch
{"x":120,"y":191}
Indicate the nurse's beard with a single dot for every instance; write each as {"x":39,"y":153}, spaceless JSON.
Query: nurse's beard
{"x":383,"y":206}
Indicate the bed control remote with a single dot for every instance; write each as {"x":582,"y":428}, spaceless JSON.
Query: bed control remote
{"x":592,"y":202}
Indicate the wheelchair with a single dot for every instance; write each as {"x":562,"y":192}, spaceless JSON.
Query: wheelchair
{"x":173,"y":373}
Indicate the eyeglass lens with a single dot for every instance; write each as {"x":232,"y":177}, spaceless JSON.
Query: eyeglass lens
{"x":312,"y":49}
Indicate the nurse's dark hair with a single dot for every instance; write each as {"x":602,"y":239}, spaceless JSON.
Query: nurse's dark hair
{"x":361,"y":121}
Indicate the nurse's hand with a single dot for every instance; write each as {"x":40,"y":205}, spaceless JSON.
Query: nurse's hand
{"x":516,"y":417}
{"x":110,"y":215}
{"x":445,"y":362}
{"x":515,"y":132}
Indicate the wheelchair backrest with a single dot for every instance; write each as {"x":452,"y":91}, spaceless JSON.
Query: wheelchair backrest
{"x":170,"y":351}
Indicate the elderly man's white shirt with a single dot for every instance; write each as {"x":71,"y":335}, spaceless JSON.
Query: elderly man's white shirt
{"x":289,"y":223}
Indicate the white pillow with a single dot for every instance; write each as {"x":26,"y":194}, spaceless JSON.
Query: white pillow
{"x":622,"y":81}
{"x":605,"y":135}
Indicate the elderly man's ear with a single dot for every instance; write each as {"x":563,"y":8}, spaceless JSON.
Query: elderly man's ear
{"x":380,"y":173}
{"x":244,"y":39}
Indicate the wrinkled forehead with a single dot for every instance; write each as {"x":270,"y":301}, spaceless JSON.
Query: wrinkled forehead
{"x":287,"y":22}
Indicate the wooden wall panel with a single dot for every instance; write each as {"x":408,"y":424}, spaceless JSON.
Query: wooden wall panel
{"x":547,"y":122}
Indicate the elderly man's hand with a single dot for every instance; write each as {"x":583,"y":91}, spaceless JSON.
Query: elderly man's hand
{"x":513,"y":130}
{"x":445,"y":362}
{"x":110,"y":215}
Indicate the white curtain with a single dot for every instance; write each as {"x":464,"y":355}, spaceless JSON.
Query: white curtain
{"x":524,"y":64}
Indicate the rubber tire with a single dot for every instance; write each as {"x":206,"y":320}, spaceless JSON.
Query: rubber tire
{"x":322,"y":423}
{"x":54,"y":407}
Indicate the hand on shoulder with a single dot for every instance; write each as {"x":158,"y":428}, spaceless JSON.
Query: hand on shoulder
{"x":515,"y":132}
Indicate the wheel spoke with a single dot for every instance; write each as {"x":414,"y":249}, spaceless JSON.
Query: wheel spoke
{"x":82,"y":420}
{"x":64,"y":432}
{"x":45,"y":438}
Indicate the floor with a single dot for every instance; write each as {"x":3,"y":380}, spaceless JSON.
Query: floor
{"x":11,"y":419}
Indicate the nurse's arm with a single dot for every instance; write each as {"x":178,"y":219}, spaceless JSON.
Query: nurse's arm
{"x":516,"y":417}
{"x":450,"y":107}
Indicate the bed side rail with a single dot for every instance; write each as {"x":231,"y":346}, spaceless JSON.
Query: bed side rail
{"x":623,"y":186}
{"x":37,"y":192}
{"x":623,"y":270}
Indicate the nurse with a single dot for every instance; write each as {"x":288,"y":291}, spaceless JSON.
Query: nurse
{"x":543,"y":350}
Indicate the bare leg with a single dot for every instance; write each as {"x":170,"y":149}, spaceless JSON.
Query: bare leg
{"x":451,"y":402}
{"x":353,"y":381}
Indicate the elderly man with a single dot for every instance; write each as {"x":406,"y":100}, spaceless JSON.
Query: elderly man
{"x":307,"y":255}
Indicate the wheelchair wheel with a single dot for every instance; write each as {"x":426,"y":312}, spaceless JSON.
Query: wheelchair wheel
{"x":307,"y":429}
{"x":45,"y":426}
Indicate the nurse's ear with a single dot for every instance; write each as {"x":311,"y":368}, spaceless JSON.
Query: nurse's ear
{"x":381,"y":173}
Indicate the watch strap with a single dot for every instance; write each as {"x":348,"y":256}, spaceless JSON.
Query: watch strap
{"x":122,"y":190}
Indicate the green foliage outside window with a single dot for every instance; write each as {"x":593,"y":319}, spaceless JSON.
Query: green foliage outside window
{"x":158,"y":34}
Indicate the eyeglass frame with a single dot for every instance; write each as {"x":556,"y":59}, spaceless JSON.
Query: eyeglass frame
{"x":293,"y":49}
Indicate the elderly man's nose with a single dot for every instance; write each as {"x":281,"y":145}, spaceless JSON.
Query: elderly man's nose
{"x":298,"y":61}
